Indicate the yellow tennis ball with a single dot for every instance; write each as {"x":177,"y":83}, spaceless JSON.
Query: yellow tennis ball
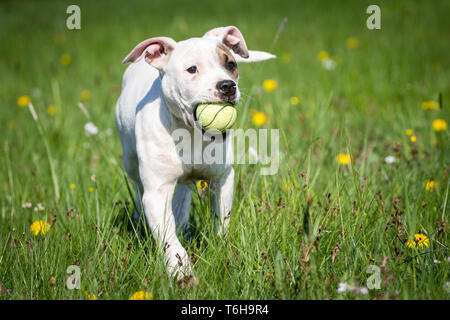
{"x":219,"y":116}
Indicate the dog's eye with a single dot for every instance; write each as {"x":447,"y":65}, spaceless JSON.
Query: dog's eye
{"x":192,"y":69}
{"x":231,"y":65}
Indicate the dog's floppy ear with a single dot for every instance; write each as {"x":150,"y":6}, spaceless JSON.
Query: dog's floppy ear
{"x":155,"y":50}
{"x":254,"y":56}
{"x":231,"y":37}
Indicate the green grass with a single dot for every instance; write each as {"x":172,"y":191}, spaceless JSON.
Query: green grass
{"x":278,"y":247}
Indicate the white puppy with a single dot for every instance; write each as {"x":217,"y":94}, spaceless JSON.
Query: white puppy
{"x":160,"y":92}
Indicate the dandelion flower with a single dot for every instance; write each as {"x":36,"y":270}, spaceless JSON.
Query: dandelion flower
{"x":439,"y":125}
{"x":141,"y":295}
{"x":270,"y":85}
{"x":409,"y":132}
{"x":66,"y":59}
{"x":413,"y":139}
{"x":91,"y":189}
{"x":323,"y":55}
{"x":430,"y":105}
{"x":202,"y":187}
{"x":90,"y":129}
{"x":294,"y":100}
{"x":40,"y":227}
{"x":73,"y":186}
{"x":85,"y":95}
{"x":51,"y":110}
{"x":23,"y":101}
{"x":90,"y":296}
{"x":420,"y":240}
{"x":352,"y":42}
{"x":343,"y":158}
{"x":430,"y":185}
{"x":259,"y":118}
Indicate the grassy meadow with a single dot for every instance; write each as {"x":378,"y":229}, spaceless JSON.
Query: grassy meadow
{"x":365,"y":161}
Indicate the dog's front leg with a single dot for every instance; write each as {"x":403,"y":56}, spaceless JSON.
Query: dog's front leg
{"x":157,"y":201}
{"x":223,"y":200}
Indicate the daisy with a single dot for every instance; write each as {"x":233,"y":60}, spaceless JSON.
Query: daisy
{"x":90,"y":129}
{"x":390,"y":159}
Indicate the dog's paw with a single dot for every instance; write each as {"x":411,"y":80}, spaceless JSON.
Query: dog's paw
{"x":178,"y":263}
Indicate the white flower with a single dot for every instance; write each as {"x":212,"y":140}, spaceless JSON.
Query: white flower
{"x":436,"y":261}
{"x":329,"y":64}
{"x":39,"y":207}
{"x":363,"y":290}
{"x":343,"y":286}
{"x":27,"y":205}
{"x":90,"y":129}
{"x":390,"y":159}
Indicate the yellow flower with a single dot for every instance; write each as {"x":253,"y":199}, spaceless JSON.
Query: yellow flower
{"x":51,"y":110}
{"x":430,"y":185}
{"x":439,"y":125}
{"x":323,"y":55}
{"x":141,"y":295}
{"x":66,"y":59}
{"x":352,"y":42}
{"x":343,"y":158}
{"x":294,"y":100}
{"x":23,"y":101}
{"x":430,"y":105}
{"x":72,"y":186}
{"x":270,"y":85}
{"x":90,"y":296}
{"x":91,"y":189}
{"x":85,"y":95}
{"x":413,"y":139}
{"x":202,"y":187}
{"x":40,"y":227}
{"x":409,"y":132}
{"x":259,"y":118}
{"x":420,"y":240}
{"x":286,"y":57}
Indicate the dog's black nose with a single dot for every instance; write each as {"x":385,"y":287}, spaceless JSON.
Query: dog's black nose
{"x":226,"y":87}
